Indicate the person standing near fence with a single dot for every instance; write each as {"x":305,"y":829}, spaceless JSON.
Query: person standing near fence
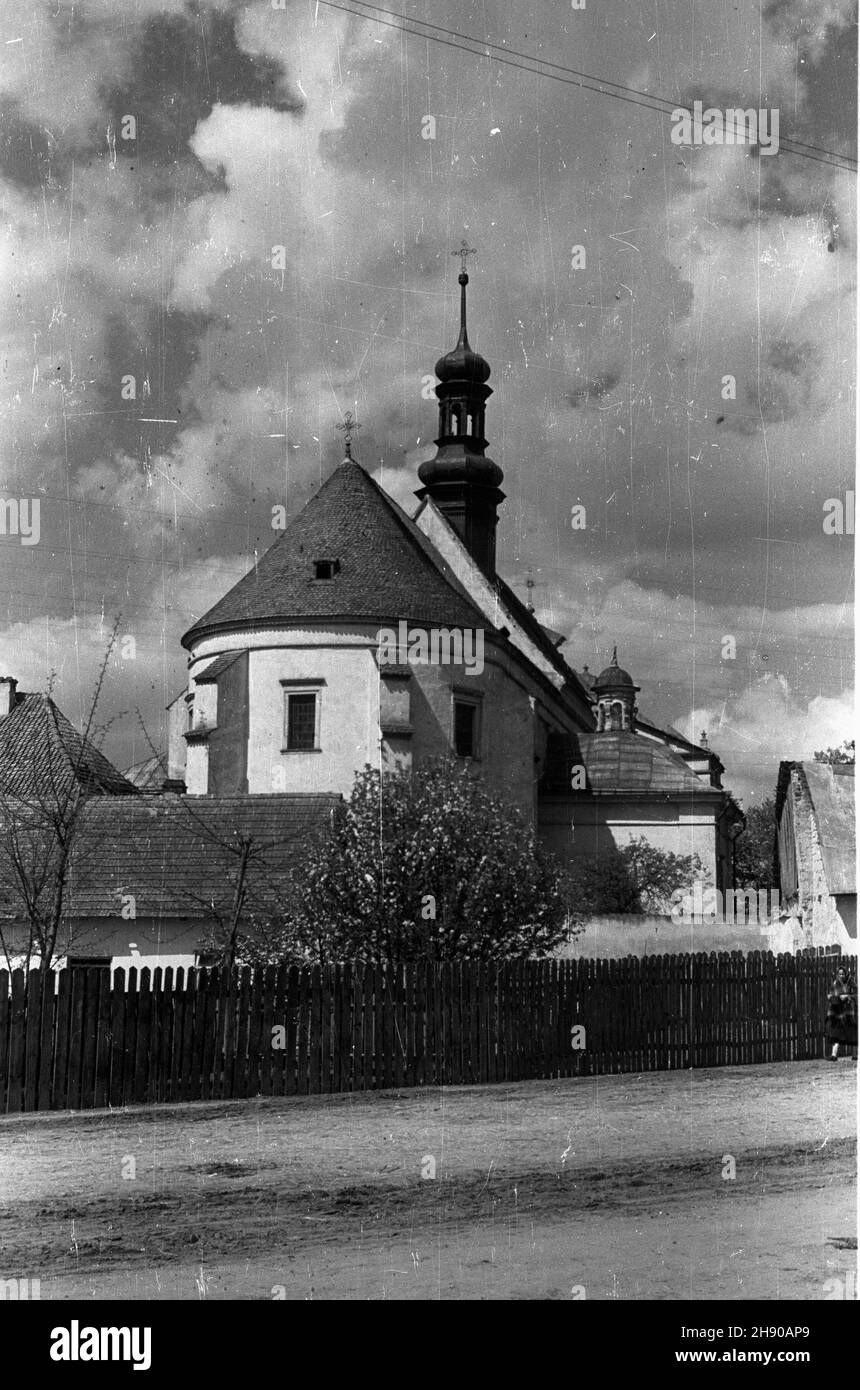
{"x":841,"y":1025}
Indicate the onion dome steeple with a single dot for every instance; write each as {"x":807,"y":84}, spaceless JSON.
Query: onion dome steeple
{"x":461,"y":480}
{"x":616,"y":698}
{"x":462,"y":363}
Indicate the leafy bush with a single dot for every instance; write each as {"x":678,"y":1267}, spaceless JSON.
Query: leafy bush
{"x":423,"y":867}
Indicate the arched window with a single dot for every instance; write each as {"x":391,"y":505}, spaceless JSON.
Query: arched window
{"x":455,"y":420}
{"x":470,"y":424}
{"x":616,"y":716}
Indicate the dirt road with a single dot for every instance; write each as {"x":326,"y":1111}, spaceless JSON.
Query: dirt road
{"x":605,"y":1187}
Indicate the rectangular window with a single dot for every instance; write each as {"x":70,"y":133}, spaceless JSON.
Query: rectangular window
{"x":301,"y":721}
{"x":395,"y":702}
{"x":465,"y":728}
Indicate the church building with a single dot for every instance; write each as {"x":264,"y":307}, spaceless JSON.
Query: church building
{"x":366,"y":635}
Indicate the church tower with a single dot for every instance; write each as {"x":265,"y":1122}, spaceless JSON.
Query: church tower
{"x":616,"y":698}
{"x":461,"y":480}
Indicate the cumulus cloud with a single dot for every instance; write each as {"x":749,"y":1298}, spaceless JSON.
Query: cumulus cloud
{"x":143,"y":675}
{"x":646,"y":620}
{"x":302,"y":127}
{"x":809,"y":27}
{"x":766,"y":722}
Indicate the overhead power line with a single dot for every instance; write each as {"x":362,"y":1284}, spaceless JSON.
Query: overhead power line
{"x":572,"y":77}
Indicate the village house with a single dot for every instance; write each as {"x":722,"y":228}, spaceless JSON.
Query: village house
{"x":817,"y":854}
{"x":152,"y":879}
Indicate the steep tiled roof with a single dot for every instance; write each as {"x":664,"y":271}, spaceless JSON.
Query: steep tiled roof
{"x":42,"y":754}
{"x":386,"y":570}
{"x":620,"y":762}
{"x":173,"y":853}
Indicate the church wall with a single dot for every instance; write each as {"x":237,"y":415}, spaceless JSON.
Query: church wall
{"x":349,"y":717}
{"x":583,"y":827}
{"x":350,"y":734}
{"x":506,"y":725}
{"x":228,"y":742}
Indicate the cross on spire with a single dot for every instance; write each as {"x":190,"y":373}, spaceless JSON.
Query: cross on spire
{"x":349,"y":424}
{"x":464,"y":251}
{"x":463,"y":279}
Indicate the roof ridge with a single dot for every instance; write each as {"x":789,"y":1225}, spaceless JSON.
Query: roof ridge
{"x":414,"y":533}
{"x":528,"y":620}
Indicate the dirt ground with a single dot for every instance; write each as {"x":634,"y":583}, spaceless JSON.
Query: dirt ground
{"x":603,"y":1187}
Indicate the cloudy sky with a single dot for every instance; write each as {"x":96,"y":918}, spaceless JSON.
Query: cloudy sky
{"x":303,"y":125}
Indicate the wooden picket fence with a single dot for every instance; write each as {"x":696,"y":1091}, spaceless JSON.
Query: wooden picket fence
{"x":209,"y":1034}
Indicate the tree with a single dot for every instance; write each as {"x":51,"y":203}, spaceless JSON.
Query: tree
{"x":755,"y":848}
{"x":638,"y":878}
{"x":843,"y":754}
{"x":428,"y":866}
{"x":247,"y":898}
{"x":41,"y":830}
{"x":239,"y":889}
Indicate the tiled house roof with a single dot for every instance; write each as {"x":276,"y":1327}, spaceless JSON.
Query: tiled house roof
{"x":619,"y":763}
{"x":42,"y":754}
{"x":177,"y":855}
{"x":386,"y":571}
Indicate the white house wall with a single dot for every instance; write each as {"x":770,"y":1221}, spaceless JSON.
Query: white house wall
{"x":144,"y":942}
